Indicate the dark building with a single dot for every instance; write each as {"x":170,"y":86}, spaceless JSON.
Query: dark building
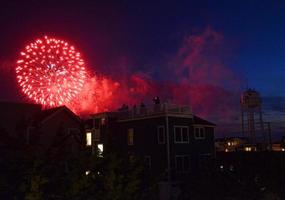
{"x":169,"y":138}
{"x":24,"y":124}
{"x":231,"y":144}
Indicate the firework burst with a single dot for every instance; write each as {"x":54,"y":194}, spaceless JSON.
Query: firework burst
{"x":51,"y":72}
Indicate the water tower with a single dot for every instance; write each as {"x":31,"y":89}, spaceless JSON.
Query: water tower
{"x":251,"y":115}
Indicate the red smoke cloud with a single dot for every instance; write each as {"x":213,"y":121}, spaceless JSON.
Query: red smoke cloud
{"x":104,"y":94}
{"x":196,"y":76}
{"x":203,"y":80}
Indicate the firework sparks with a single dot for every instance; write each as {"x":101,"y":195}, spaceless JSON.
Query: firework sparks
{"x":51,"y":72}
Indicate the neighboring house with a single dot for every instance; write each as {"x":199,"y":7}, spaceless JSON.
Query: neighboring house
{"x":24,"y":124}
{"x":57,"y":127}
{"x":169,"y":138}
{"x":277,"y":147}
{"x":231,"y":144}
{"x":234,"y":144}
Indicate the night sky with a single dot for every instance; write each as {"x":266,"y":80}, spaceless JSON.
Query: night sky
{"x":120,"y":38}
{"x":146,"y":33}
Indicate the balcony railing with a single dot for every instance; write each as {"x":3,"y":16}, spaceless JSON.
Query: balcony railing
{"x":152,"y":110}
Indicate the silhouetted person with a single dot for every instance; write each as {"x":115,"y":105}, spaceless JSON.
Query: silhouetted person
{"x":124,"y":107}
{"x":156,"y":107}
{"x":156,"y":100}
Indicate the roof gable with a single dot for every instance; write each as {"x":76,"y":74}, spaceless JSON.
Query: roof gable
{"x":198,"y":120}
{"x":48,"y":114}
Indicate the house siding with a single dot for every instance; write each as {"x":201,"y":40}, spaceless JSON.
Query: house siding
{"x":146,"y":141}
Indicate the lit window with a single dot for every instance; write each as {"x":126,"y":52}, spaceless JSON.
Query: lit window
{"x":147,"y":162}
{"x":103,"y":121}
{"x":182,"y":163}
{"x":226,"y":150}
{"x":282,"y":149}
{"x":160,"y":135}
{"x":181,"y":134}
{"x":87,"y":172}
{"x":199,"y":133}
{"x":100,"y":150}
{"x":130,"y":136}
{"x":229,"y":144}
{"x":88,"y":139}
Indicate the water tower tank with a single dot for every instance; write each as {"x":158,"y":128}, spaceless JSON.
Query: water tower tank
{"x":250,"y":99}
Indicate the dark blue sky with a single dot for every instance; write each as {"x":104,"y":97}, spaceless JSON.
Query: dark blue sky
{"x":147,"y":33}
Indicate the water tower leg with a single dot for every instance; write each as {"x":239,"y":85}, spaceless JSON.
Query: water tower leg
{"x":251,"y":126}
{"x":242,"y":122}
{"x":269,"y":136}
{"x":265,"y":140}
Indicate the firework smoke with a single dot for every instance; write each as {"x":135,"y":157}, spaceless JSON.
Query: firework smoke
{"x":195,"y":76}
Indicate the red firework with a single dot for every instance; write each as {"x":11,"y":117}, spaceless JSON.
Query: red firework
{"x":51,"y":72}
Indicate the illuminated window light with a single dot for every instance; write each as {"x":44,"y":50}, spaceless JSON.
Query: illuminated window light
{"x":130,"y":136}
{"x":88,"y":139}
{"x":100,"y":149}
{"x":103,"y":121}
{"x":247,"y":148}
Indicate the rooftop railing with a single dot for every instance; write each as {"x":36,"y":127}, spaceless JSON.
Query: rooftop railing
{"x":152,"y":110}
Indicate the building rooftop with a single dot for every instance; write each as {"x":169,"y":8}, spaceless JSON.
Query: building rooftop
{"x":148,"y":110}
{"x":198,"y":120}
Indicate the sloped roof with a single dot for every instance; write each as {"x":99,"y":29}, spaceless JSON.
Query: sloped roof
{"x":198,"y":120}
{"x":44,"y":115}
{"x":39,"y":117}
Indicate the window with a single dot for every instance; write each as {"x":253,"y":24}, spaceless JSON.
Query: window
{"x":199,"y":133}
{"x":97,"y":135}
{"x":88,"y":139}
{"x":100,"y":150}
{"x":147,"y":162}
{"x":103,"y":121}
{"x":130,"y":136}
{"x":181,"y":134}
{"x":182,"y":163}
{"x":160,"y":135}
